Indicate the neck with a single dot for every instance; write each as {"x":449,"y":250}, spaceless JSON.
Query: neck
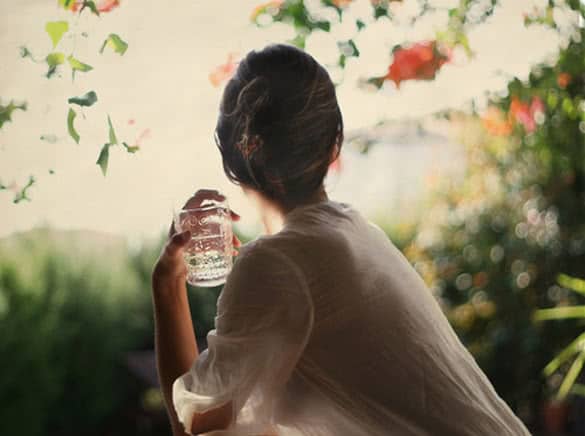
{"x":273,"y":215}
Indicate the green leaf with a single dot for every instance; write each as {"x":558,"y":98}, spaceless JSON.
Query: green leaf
{"x":360,"y":24}
{"x":70,"y":127}
{"x":573,"y":283}
{"x":25,"y":52}
{"x":53,"y":60}
{"x":578,"y":389}
{"x":22,"y":195}
{"x":77,"y":65}
{"x":380,"y":11}
{"x":116,"y":43}
{"x":574,"y":347}
{"x":6,"y":111}
{"x":323,"y":25}
{"x":56,"y":30}
{"x":560,"y":313}
{"x":298,"y":41}
{"x":112,"y":133}
{"x":348,"y":48}
{"x":131,"y":148}
{"x":378,"y":82}
{"x":571,"y":376}
{"x":66,"y":4}
{"x":87,"y":99}
{"x":103,"y":158}
{"x":91,"y":5}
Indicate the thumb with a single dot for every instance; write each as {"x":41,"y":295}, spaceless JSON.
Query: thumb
{"x":178,"y":241}
{"x":183,"y":237}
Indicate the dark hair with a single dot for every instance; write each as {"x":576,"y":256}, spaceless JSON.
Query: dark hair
{"x":279,"y":123}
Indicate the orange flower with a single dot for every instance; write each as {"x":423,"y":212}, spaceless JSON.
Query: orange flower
{"x":271,"y":7}
{"x":341,"y":3}
{"x":420,"y":61}
{"x":223,"y":72}
{"x":495,"y":122}
{"x":563,"y":79}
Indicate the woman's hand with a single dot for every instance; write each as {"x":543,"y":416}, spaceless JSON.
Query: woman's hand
{"x":170,"y":266}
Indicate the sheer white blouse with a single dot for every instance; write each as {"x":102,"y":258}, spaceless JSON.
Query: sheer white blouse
{"x":326,"y":329}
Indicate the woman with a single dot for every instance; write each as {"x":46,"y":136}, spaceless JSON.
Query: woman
{"x":323,"y":327}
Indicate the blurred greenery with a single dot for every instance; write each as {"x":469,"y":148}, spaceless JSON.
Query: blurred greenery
{"x":493,"y":243}
{"x":577,"y":347}
{"x":72,"y":304}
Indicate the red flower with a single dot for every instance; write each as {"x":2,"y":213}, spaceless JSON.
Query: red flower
{"x":101,"y":5}
{"x":536,"y":105}
{"x":421,"y":61}
{"x":107,"y":5}
{"x":524,"y":113}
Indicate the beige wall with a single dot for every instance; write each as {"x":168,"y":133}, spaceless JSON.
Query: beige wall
{"x":162,"y":83}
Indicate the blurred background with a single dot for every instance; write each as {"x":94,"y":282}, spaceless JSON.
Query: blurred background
{"x":465,"y":141}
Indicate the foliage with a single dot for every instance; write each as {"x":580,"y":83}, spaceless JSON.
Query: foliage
{"x":71,"y":305}
{"x":58,"y":32}
{"x":66,"y":320}
{"x":70,"y":127}
{"x":116,"y":43}
{"x":20,"y":193}
{"x":87,"y":99}
{"x":6,"y":111}
{"x":494,"y":243}
{"x":576,"y":347}
{"x":418,"y":60}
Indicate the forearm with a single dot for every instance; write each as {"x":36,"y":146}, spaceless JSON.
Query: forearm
{"x":175,"y":343}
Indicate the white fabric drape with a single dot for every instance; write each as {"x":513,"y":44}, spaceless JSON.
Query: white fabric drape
{"x":326,"y":329}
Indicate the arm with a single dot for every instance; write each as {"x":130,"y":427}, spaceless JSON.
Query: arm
{"x":174,"y":338}
{"x":175,"y":344}
{"x":263,"y":321}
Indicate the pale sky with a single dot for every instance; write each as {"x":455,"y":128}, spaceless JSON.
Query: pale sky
{"x":162,"y":83}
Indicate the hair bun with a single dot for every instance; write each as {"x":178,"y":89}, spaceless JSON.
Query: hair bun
{"x":279,"y":123}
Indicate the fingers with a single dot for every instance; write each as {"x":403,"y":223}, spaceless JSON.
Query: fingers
{"x":201,"y":195}
{"x":237,"y":244}
{"x":176,"y":242}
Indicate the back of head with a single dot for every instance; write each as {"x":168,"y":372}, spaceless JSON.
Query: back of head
{"x":279,"y":125}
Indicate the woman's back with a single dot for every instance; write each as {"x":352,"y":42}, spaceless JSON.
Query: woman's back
{"x":325,"y":328}
{"x":381,"y":356}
